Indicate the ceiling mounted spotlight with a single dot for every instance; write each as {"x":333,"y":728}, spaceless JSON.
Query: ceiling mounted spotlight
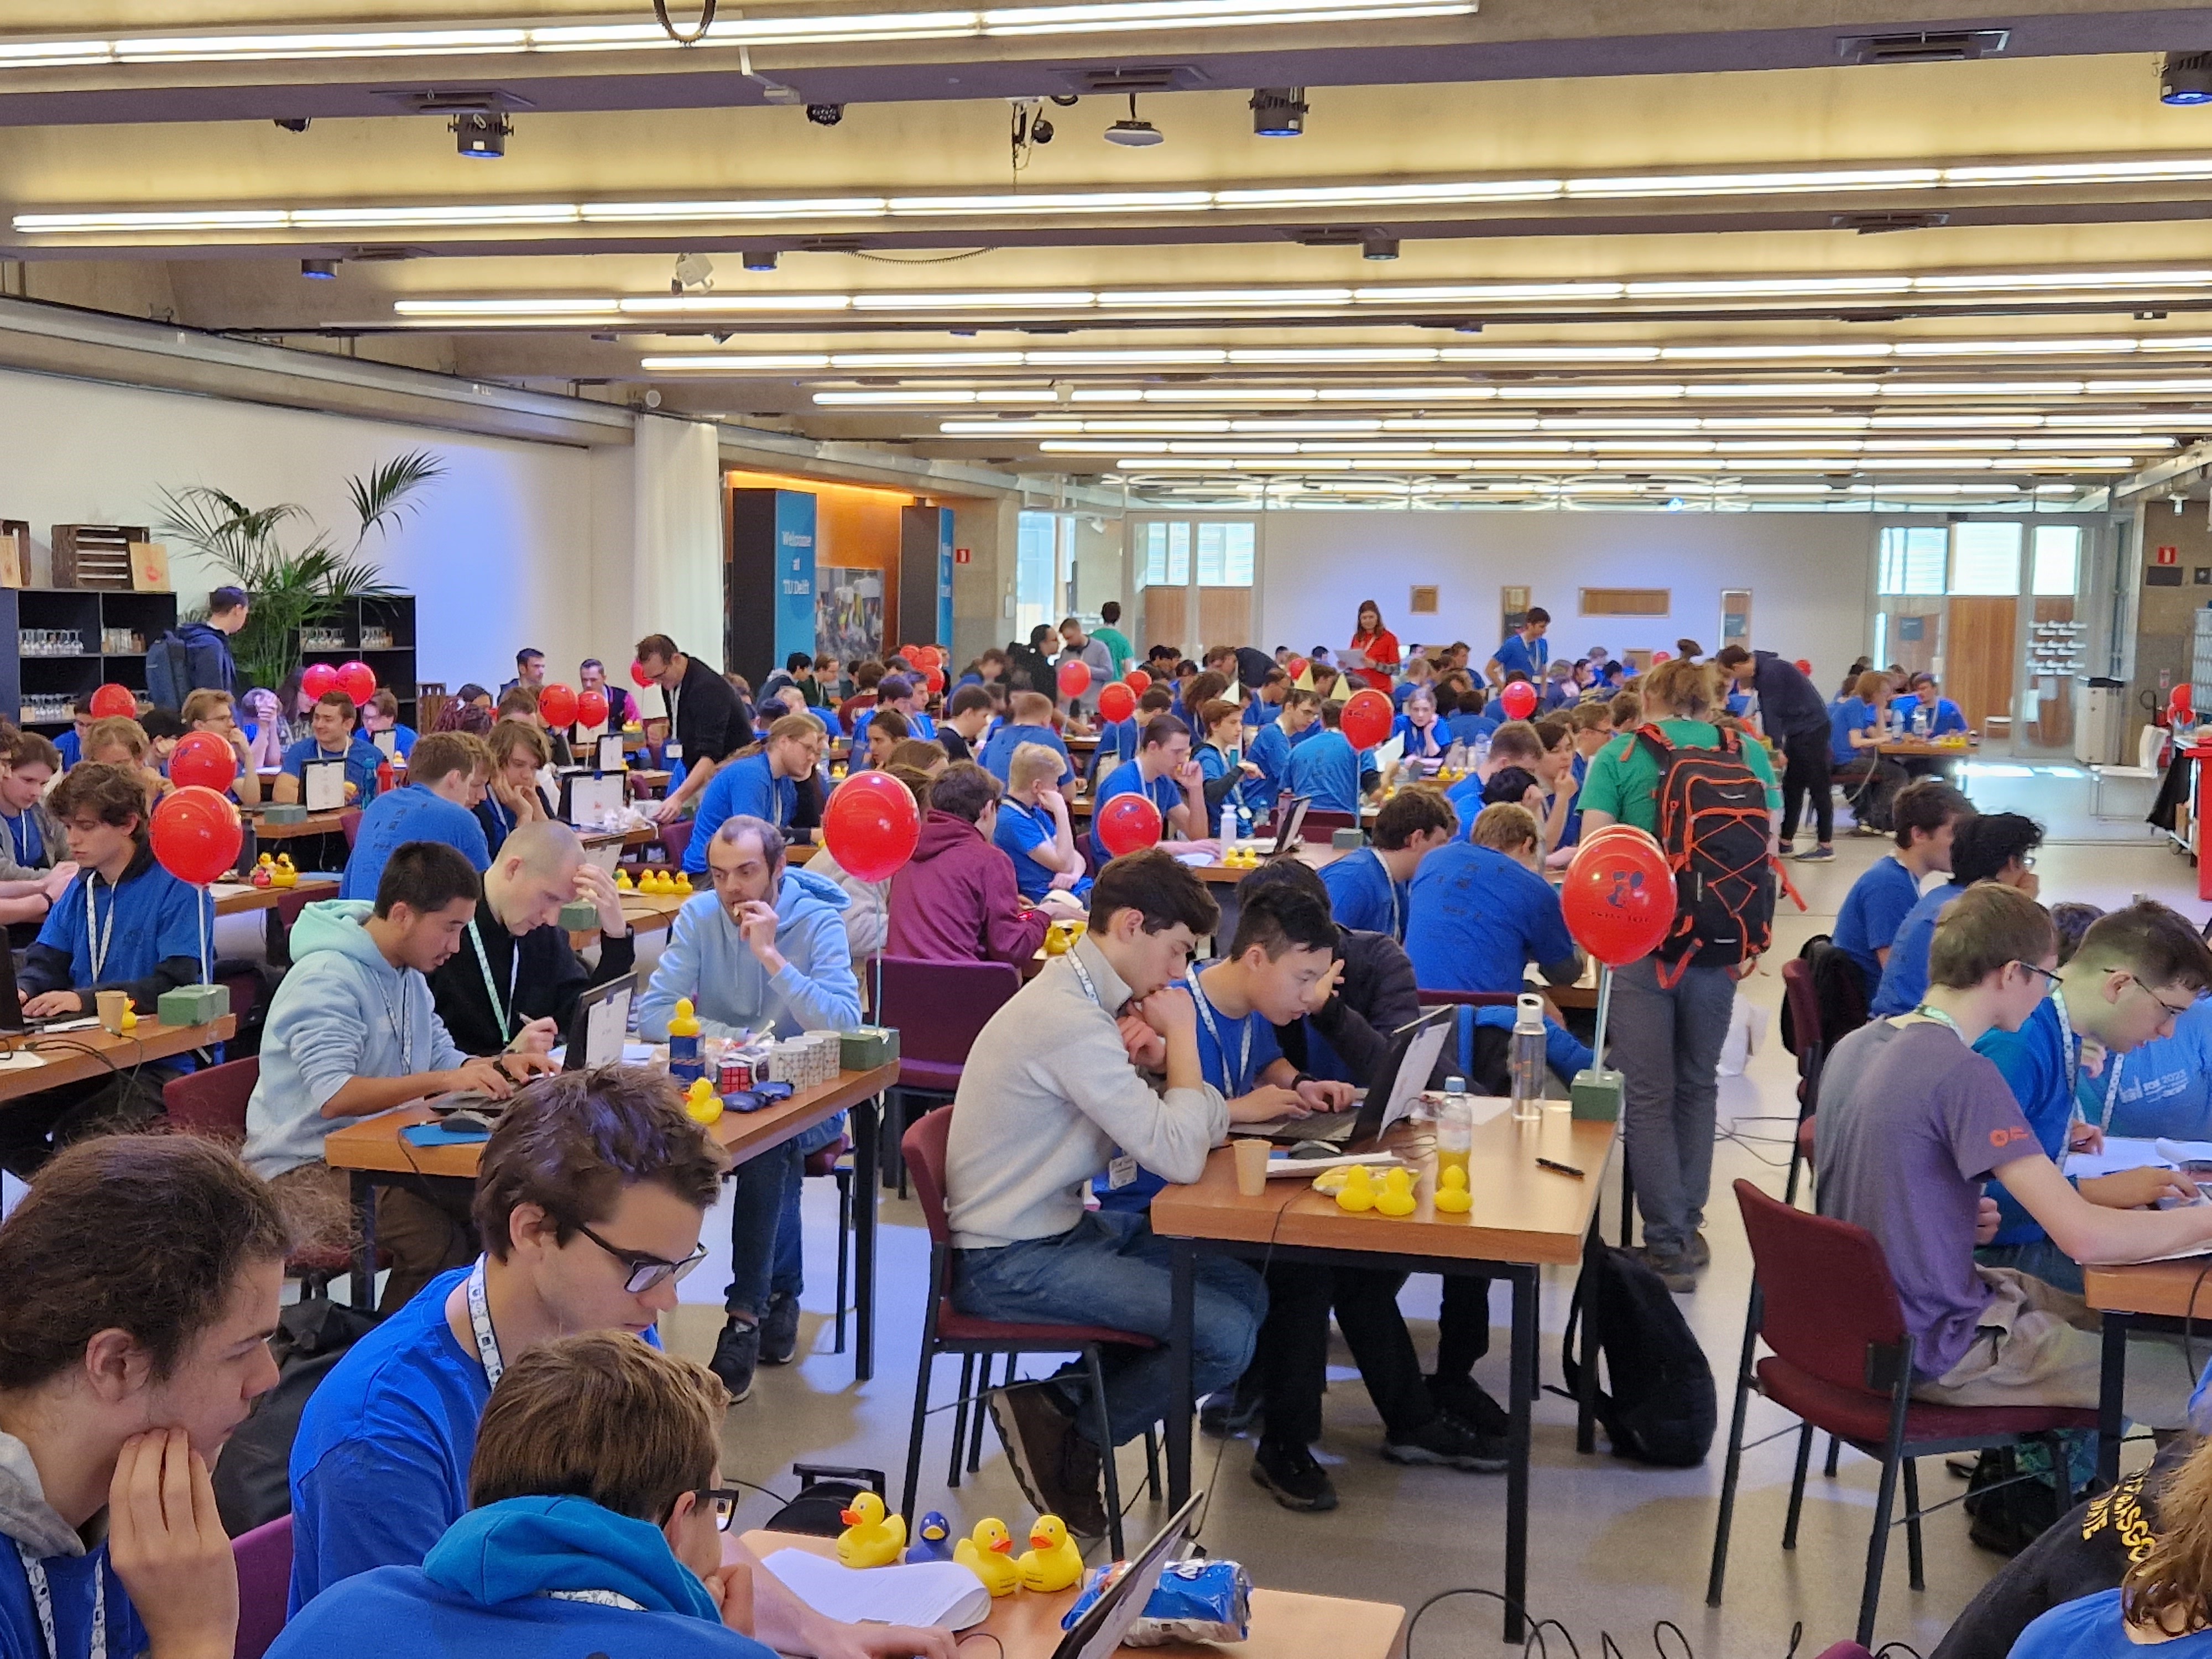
{"x":826,"y":115}
{"x":295,"y":123}
{"x":758,"y":258}
{"x":481,"y":134}
{"x":1134,"y":134}
{"x":2186,"y":77}
{"x":692,"y":270}
{"x":319,"y":270}
{"x":1378,"y":247}
{"x":1278,"y":112}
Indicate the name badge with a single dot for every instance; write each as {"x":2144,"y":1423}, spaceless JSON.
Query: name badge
{"x":1121,"y":1172}
{"x":672,"y":751}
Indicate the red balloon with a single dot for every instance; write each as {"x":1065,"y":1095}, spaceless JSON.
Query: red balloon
{"x":870,"y":825}
{"x":197,"y":835}
{"x":358,"y":681}
{"x":113,"y":701}
{"x":1805,"y":666}
{"x":934,"y":679}
{"x":1074,"y":679}
{"x":204,"y":760}
{"x":1518,"y":700}
{"x":591,"y":707}
{"x":2178,"y":698}
{"x":1138,"y":681}
{"x":1658,"y":657}
{"x":1619,"y":897}
{"x":1366,"y":718}
{"x":1296,"y":666}
{"x":1129,"y":824}
{"x":1116,"y":702}
{"x":638,"y":677}
{"x":557,"y":704}
{"x":929,"y":656}
{"x":319,"y":678}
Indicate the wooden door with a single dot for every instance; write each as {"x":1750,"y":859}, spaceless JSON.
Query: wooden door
{"x":1225,"y":618}
{"x":2050,"y":708}
{"x":1166,"y":610}
{"x":1978,"y":637}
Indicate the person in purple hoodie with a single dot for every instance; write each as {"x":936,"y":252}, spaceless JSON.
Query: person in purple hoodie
{"x":957,"y":899}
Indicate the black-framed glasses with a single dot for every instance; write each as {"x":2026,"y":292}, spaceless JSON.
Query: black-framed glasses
{"x":2032,"y":969}
{"x":723,"y":1501}
{"x":2171,"y":1011}
{"x":646,"y":1272}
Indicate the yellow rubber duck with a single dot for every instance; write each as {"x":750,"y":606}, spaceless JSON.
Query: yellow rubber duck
{"x":1052,"y":1562}
{"x":661,"y":883}
{"x":1452,"y":1195}
{"x":700,"y":1104}
{"x":680,"y":883}
{"x":622,"y":882}
{"x":286,"y":875}
{"x":988,"y":1552}
{"x":1396,"y":1197}
{"x":870,"y":1537}
{"x":129,"y":1022}
{"x":264,"y":872}
{"x":1358,"y":1192}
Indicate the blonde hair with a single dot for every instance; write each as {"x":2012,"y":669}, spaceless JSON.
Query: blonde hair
{"x":205,"y":703}
{"x":1685,"y":689}
{"x":117,"y":728}
{"x":1505,"y":826}
{"x":2170,"y":1590}
{"x":1033,"y":763}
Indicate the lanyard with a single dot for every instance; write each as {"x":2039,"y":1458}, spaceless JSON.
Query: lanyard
{"x":671,"y":697}
{"x":2066,"y":1039}
{"x":1083,"y":978}
{"x":96,"y":938}
{"x":42,"y":1596}
{"x":1397,"y":923}
{"x":403,"y":1020}
{"x":480,"y":1319}
{"x":1941,"y":1018}
{"x":1238,"y":1082}
{"x":514,"y":969}
{"x":20,"y":829}
{"x":499,"y":816}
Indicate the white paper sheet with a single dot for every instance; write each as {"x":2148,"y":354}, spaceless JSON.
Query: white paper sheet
{"x":2121,"y":1152}
{"x":940,"y":1593}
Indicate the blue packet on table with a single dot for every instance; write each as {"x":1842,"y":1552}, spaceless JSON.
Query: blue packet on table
{"x":1193,"y":1601}
{"x":441,"y":1135}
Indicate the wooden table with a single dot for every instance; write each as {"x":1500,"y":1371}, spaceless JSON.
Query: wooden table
{"x":376,"y":1155}
{"x":1318,"y":855}
{"x":315,"y":823}
{"x":1286,"y":1623}
{"x":2151,"y":1296}
{"x":1523,"y":1219}
{"x":73,"y":1056}
{"x":238,"y":899}
{"x":642,"y":835}
{"x":647,"y":913}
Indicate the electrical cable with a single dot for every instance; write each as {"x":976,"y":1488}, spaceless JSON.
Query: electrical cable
{"x":933,"y":259}
{"x":706,"y":22}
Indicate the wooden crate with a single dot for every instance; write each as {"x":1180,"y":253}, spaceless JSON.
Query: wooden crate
{"x":96,"y":554}
{"x":14,"y":553}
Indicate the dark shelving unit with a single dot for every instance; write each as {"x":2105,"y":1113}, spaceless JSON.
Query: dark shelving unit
{"x":88,"y":613}
{"x":391,"y":619}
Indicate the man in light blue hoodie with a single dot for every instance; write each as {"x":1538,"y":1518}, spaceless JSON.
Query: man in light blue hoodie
{"x":352,"y":1031}
{"x":595,"y":1527}
{"x":767,"y":947}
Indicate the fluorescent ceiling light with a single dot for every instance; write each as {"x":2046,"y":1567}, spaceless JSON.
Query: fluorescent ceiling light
{"x":1560,"y":392}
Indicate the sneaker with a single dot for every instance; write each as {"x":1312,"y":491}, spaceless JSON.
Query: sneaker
{"x":1674,"y":1270}
{"x":737,"y":1351}
{"x":1467,"y":1400}
{"x":779,"y":1331}
{"x":1699,"y":1253}
{"x":1228,"y":1411}
{"x":1814,"y":854}
{"x":1290,"y":1472}
{"x":1443,"y":1439}
{"x":1057,"y":1469}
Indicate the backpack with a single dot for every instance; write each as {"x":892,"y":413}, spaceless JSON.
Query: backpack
{"x":253,"y":1478}
{"x":176,"y":668}
{"x":1715,"y":830}
{"x":1662,"y":1408}
{"x":1839,"y":988}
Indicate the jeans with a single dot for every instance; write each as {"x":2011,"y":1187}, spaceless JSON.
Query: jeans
{"x":1462,"y":1325}
{"x":1109,"y":1269}
{"x":1291,"y":1362}
{"x":766,"y":1242}
{"x":1666,"y":1042}
{"x":1807,"y":771}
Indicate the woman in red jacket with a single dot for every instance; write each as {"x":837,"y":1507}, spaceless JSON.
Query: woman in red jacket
{"x":956,"y":900}
{"x":1376,"y":655}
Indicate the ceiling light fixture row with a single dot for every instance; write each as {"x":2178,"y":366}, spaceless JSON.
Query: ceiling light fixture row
{"x":1838,"y":390}
{"x":2087,"y":428}
{"x":1370,"y":197}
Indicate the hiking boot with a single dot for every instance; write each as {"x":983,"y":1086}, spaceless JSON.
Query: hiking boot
{"x":1445,"y":1440}
{"x":1289,"y":1471}
{"x":1464,"y":1398}
{"x":1228,"y":1412}
{"x":1673,"y":1269}
{"x":778,"y":1330}
{"x":736,"y":1353}
{"x":1057,"y":1469}
{"x":1699,"y":1253}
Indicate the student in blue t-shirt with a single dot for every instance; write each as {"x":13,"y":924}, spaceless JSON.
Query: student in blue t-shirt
{"x":1371,"y":888}
{"x":2096,"y":1627}
{"x":1271,"y":744}
{"x":1592,"y":726}
{"x":1928,"y":815}
{"x":591,"y":1192}
{"x":70,"y":743}
{"x":445,"y":783}
{"x":1164,"y":770}
{"x":1028,"y":720}
{"x":1228,"y":777}
{"x":1481,"y":913}
{"x":1469,"y":721}
{"x":333,"y":739}
{"x":380,"y":714}
{"x":905,"y":695}
{"x":1929,"y":713}
{"x":1525,"y":651}
{"x":762,"y":784}
{"x":1327,"y":768}
{"x":1997,"y":847}
{"x":1426,"y":737}
{"x":2164,"y":1088}
{"x":1033,"y":828}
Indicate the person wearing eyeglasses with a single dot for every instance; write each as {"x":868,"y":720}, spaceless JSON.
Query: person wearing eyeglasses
{"x":1998,"y":847}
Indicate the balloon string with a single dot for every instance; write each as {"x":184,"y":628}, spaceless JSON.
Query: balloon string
{"x":207,"y":902}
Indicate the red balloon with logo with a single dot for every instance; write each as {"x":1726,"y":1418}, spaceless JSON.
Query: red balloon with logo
{"x":1129,"y":824}
{"x":557,"y":704}
{"x":358,"y":681}
{"x":591,"y":709}
{"x":1619,"y":897}
{"x":1074,"y":679}
{"x":870,"y":825}
{"x":1138,"y":681}
{"x":318,"y":677}
{"x":638,"y":677}
{"x":1518,"y":700}
{"x":1366,"y":718}
{"x":197,"y":835}
{"x":203,"y":760}
{"x":113,"y":701}
{"x":1116,"y":702}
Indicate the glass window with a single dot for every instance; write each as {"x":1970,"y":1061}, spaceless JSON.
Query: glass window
{"x":1881,"y":636}
{"x":1155,"y":555}
{"x":1912,"y":559}
{"x":1210,"y":543}
{"x":1178,"y":556}
{"x":1224,"y":549}
{"x":1985,"y":557}
{"x":2058,"y":564}
{"x":1036,"y":572}
{"x":1236,"y":554}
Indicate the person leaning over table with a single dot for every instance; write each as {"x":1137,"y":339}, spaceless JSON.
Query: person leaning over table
{"x":1033,"y":829}
{"x":707,"y":723}
{"x":767,"y":947}
{"x":514,"y":796}
{"x":445,"y":784}
{"x":332,"y":738}
{"x":956,"y":900}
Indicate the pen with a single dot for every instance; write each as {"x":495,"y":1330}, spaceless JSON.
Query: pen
{"x":1563,"y":1169}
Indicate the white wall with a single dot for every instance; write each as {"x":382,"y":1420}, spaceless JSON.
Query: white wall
{"x":1810,"y":575}
{"x":520,"y":543}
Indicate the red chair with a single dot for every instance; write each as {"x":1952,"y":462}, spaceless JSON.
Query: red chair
{"x":1322,"y":826}
{"x":1823,"y":1298}
{"x":675,"y":838}
{"x":938,"y":1009}
{"x":264,"y":1557}
{"x":945,"y":1329}
{"x":1804,"y":1006}
{"x":281,"y":916}
{"x":349,"y":825}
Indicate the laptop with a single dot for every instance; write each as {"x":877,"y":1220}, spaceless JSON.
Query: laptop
{"x":595,"y":1031}
{"x":1404,"y":1072}
{"x":15,"y":1022}
{"x":1107,"y":1620}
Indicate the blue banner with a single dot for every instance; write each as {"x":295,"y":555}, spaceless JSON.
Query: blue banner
{"x":794,"y":572}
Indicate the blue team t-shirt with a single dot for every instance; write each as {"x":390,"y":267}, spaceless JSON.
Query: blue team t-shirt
{"x":1470,"y":728}
{"x":2091,"y":1627}
{"x":361,"y":760}
{"x":1477,"y":918}
{"x":2163,"y":1088}
{"x":1845,"y":716}
{"x":1517,"y":656}
{"x":1873,"y":910}
{"x":2039,"y":1069}
{"x":1361,"y":895}
{"x":1328,"y":769}
{"x":1904,"y":976}
{"x":411,"y":814}
{"x":144,"y":920}
{"x":1020,"y":831}
{"x":27,"y":841}
{"x":747,"y":787}
{"x":1932,"y":720}
{"x":1231,"y":1054}
{"x":1270,"y":750}
{"x":999,"y":749}
{"x":74,"y":1585}
{"x":1128,"y":779}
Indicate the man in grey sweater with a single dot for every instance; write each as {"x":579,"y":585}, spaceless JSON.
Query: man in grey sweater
{"x":1050,"y":1097}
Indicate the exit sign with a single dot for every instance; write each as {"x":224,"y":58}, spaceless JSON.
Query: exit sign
{"x":2169,"y":555}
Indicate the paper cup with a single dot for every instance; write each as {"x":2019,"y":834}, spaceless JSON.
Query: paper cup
{"x":1252,"y":1166}
{"x":110,"y":1005}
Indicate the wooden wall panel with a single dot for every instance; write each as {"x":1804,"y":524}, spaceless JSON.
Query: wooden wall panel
{"x":1166,"y":610}
{"x":1979,"y":636}
{"x":1225,"y":618}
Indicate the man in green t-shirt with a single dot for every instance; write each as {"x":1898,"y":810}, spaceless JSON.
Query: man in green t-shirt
{"x":1666,"y":1039}
{"x":1109,"y":634}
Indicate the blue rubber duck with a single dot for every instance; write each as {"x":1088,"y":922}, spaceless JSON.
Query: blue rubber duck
{"x":933,"y":1539}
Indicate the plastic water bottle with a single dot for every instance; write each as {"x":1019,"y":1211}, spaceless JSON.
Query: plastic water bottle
{"x":1525,"y":1060}
{"x":1455,"y":1125}
{"x":1228,"y":824}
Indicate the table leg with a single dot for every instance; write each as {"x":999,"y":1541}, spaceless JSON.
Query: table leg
{"x":2112,"y":1388}
{"x":364,"y":1251}
{"x":867,"y":1140}
{"x":1521,"y":1403}
{"x":1181,"y":1408}
{"x":1586,"y":1390}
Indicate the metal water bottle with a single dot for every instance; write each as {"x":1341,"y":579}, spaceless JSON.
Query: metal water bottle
{"x":1525,"y":1060}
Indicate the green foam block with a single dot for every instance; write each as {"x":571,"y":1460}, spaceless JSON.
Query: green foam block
{"x":193,"y":1005}
{"x":1596,"y":1096}
{"x":866,"y":1047}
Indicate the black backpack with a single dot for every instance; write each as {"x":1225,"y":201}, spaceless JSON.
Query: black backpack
{"x":1662,"y":1408}
{"x":253,"y":1478}
{"x":1839,"y":988}
{"x":1715,"y":830}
